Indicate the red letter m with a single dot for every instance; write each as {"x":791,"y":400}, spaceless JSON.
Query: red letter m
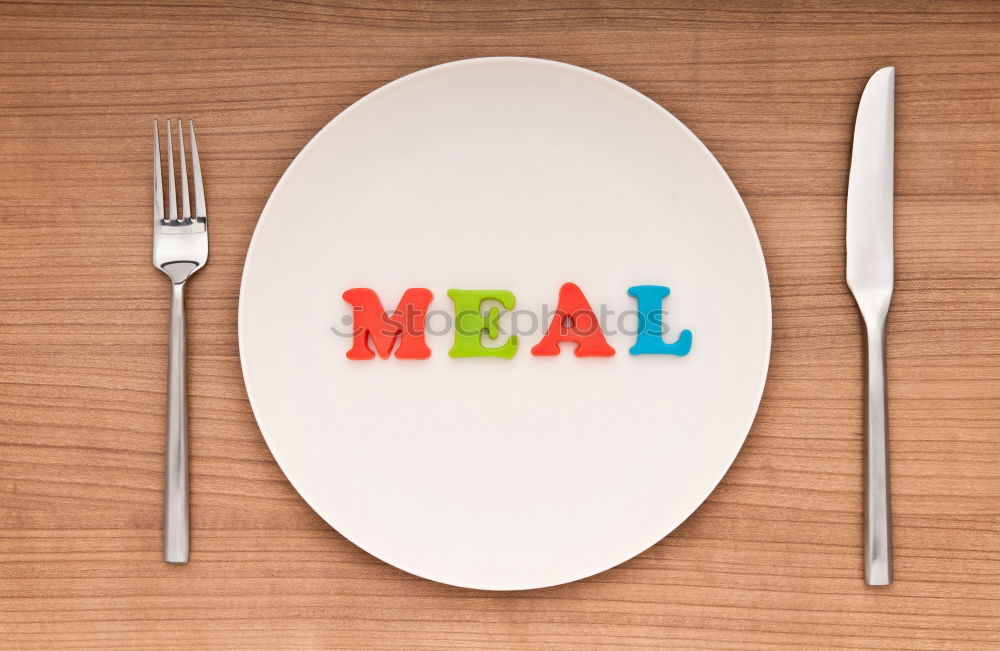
{"x":372,"y":321}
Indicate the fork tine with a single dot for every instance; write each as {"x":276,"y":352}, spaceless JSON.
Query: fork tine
{"x":170,"y":178}
{"x":200,"y":212}
{"x":157,"y":176}
{"x":185,"y":200}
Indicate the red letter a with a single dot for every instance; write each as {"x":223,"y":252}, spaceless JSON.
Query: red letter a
{"x":371,"y":320}
{"x":574,"y":321}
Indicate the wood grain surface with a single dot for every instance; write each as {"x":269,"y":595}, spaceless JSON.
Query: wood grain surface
{"x":772,"y":559}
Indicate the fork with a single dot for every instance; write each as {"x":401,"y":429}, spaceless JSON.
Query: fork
{"x":180,"y":248}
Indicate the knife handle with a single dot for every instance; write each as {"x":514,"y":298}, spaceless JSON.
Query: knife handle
{"x":878,"y":534}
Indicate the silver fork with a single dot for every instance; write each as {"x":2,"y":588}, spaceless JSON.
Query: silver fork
{"x":180,"y":248}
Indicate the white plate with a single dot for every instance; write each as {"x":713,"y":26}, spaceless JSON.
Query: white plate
{"x":516,"y":174}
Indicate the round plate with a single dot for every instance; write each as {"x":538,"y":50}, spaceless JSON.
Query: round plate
{"x":521,"y":175}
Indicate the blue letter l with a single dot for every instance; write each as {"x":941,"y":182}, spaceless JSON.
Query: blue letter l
{"x":649,"y":339}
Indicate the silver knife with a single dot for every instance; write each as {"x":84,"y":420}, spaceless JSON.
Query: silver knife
{"x":870,"y":277}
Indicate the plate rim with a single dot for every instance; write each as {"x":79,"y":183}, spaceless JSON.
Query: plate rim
{"x":571,"y":68}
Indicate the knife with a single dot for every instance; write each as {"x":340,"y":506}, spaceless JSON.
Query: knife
{"x":870,"y":277}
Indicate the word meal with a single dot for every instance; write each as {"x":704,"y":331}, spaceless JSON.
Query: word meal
{"x":573,"y":321}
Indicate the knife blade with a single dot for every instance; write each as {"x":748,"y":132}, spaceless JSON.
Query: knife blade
{"x":870,"y":278}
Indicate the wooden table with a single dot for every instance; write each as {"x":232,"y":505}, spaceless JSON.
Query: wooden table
{"x":772,"y":559}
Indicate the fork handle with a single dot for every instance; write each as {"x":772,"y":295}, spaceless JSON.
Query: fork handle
{"x":878,"y":535}
{"x":176,"y":509}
